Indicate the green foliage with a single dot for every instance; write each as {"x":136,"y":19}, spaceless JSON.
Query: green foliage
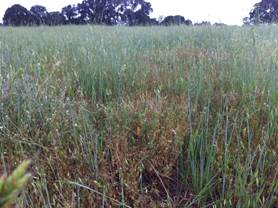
{"x":263,"y":12}
{"x":11,"y":185}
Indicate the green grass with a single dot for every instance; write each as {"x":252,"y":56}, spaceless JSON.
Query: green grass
{"x":142,"y":116}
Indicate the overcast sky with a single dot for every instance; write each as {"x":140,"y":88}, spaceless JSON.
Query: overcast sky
{"x":225,"y":11}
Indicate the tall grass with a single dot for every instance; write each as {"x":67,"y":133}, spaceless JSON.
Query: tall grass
{"x":142,"y":116}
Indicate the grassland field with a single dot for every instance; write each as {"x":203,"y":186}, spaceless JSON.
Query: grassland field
{"x":142,"y":116}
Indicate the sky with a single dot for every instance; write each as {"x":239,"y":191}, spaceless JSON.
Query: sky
{"x":225,"y":11}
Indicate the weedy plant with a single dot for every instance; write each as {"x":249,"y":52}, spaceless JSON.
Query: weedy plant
{"x":160,"y":117}
{"x":11,"y":185}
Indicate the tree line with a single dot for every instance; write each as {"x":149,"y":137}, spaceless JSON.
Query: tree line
{"x":126,"y":12}
{"x":101,"y":12}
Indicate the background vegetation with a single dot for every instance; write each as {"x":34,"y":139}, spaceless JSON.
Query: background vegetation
{"x":121,"y":12}
{"x":112,"y":117}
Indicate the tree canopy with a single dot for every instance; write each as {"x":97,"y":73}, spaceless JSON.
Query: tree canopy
{"x":176,"y":20}
{"x":107,"y":12}
{"x":264,"y":12}
{"x":41,"y":13}
{"x":104,"y":12}
{"x":17,"y":15}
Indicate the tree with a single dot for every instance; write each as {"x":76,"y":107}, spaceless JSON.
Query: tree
{"x":264,"y":12}
{"x":246,"y":21}
{"x":153,"y":21}
{"x":55,"y":18}
{"x":203,"y":23}
{"x":71,"y":14}
{"x":175,"y":20}
{"x":139,"y":15}
{"x":99,"y":11}
{"x":219,"y":24}
{"x":108,"y":12}
{"x":111,"y":12}
{"x":40,"y":12}
{"x":188,"y":22}
{"x":18,"y":15}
